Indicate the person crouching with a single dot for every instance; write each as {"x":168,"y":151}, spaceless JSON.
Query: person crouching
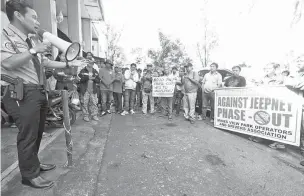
{"x":88,"y":79}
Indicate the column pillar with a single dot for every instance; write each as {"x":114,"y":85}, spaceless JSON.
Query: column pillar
{"x":87,"y":34}
{"x":46,"y":11}
{"x":74,"y":20}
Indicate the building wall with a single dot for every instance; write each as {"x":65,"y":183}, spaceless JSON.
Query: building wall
{"x":87,"y":34}
{"x":4,"y":20}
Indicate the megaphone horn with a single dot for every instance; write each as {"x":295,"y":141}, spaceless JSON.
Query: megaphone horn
{"x":71,"y":50}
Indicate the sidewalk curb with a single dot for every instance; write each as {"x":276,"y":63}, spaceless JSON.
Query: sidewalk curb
{"x":12,"y":170}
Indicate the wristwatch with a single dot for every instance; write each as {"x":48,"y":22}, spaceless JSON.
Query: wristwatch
{"x":32,"y":51}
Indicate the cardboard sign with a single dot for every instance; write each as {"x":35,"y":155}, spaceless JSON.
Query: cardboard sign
{"x":270,"y":112}
{"x":163,"y":86}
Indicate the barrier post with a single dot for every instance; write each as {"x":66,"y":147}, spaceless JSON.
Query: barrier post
{"x":67,"y":127}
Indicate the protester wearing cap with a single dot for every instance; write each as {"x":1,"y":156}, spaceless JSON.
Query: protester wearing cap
{"x":131,"y":78}
{"x":107,"y":78}
{"x":211,"y":81}
{"x":191,"y":84}
{"x":89,"y":78}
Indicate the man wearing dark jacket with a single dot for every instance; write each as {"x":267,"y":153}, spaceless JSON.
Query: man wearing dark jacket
{"x":89,"y":77}
{"x":236,"y":80}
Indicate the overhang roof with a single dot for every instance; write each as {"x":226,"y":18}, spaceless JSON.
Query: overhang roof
{"x":93,"y":10}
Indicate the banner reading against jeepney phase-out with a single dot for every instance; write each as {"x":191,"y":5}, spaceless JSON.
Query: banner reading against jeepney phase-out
{"x":163,"y":87}
{"x":273,"y":113}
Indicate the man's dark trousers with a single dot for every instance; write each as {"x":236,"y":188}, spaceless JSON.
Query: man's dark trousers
{"x":29,"y":117}
{"x":118,"y":101}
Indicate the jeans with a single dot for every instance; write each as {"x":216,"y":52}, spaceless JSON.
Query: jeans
{"x":106,"y":97}
{"x":199,"y":102}
{"x":177,"y":99}
{"x":90,"y":102}
{"x":166,"y":103}
{"x":29,"y":115}
{"x":208,"y":97}
{"x":129,"y":99}
{"x":139,"y":98}
{"x":145,"y":98}
{"x":118,"y":101}
{"x":189,"y":105}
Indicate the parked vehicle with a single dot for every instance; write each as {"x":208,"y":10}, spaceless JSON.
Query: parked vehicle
{"x":55,"y":111}
{"x":224,"y":72}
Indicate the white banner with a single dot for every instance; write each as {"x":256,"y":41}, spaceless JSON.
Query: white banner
{"x":270,"y":112}
{"x":163,"y":86}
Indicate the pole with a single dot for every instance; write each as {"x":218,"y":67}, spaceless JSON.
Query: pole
{"x":67,"y":127}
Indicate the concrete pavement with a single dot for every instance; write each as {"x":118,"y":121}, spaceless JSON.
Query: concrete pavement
{"x":148,"y":155}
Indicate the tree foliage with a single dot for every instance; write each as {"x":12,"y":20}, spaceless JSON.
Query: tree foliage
{"x":171,"y":53}
{"x":139,"y":55}
{"x":298,"y":11}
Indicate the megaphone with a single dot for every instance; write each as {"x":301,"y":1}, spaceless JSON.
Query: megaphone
{"x":71,"y":50}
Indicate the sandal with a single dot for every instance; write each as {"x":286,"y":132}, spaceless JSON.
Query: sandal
{"x":277,"y":145}
{"x":254,"y":139}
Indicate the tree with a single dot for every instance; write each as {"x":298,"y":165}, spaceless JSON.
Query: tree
{"x":298,"y":11}
{"x":113,"y":51}
{"x":139,"y":55}
{"x":209,"y":39}
{"x":171,"y":53}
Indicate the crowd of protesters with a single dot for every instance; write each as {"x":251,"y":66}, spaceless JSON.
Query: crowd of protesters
{"x":129,"y":89}
{"x":106,"y":88}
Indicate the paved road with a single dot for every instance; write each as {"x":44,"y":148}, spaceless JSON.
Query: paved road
{"x":147,"y":155}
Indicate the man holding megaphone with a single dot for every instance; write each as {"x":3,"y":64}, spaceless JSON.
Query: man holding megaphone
{"x":21,"y":59}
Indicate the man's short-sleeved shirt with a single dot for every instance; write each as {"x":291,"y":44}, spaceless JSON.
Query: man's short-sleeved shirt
{"x":27,"y":72}
{"x":212,"y":81}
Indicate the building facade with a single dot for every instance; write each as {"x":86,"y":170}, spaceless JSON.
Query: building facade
{"x":75,"y":19}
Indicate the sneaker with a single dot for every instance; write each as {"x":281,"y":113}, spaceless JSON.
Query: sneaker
{"x":95,"y":118}
{"x":277,"y":145}
{"x":132,"y":112}
{"x":212,"y":121}
{"x":109,"y":111}
{"x":170,"y":117}
{"x":86,"y":119}
{"x":124,"y":113}
{"x":199,"y":118}
{"x":103,"y":113}
{"x":13,"y":125}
